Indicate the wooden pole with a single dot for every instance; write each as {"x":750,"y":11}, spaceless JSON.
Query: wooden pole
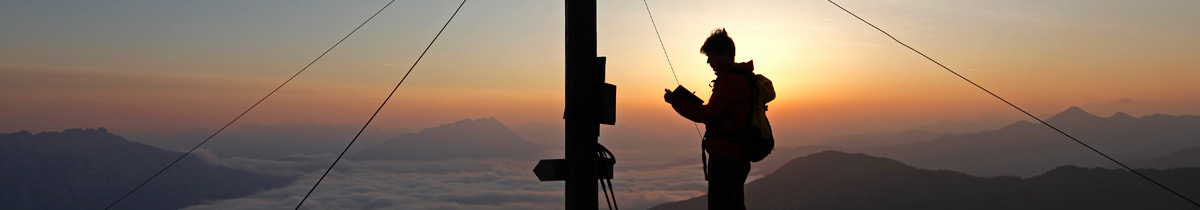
{"x":582,"y":105}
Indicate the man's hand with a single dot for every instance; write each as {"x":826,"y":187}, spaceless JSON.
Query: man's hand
{"x":668,"y":96}
{"x":682,"y":95}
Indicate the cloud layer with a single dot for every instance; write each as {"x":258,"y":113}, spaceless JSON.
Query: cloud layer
{"x":444,"y":184}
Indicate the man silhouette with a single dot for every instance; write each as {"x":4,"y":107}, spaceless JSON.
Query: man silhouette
{"x":723,"y":117}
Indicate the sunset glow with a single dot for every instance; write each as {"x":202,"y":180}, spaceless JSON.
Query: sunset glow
{"x":833,"y":73}
{"x":100,"y":95}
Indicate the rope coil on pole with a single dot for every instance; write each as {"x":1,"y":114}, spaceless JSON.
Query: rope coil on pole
{"x":607,"y":158}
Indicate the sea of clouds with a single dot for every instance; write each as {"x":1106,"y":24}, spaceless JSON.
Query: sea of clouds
{"x":445,"y":184}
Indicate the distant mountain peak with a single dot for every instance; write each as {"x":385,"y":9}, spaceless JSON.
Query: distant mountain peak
{"x":840,"y":156}
{"x":482,"y":124}
{"x":832,"y":160}
{"x":19,"y":133}
{"x":479,"y":138}
{"x":1067,"y":171}
{"x":1121,"y":116}
{"x":99,"y":130}
{"x":830,"y":154}
{"x":1022,"y":123}
{"x":1073,"y":114}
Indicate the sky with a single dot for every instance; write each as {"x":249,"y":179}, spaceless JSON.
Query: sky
{"x":137,"y":66}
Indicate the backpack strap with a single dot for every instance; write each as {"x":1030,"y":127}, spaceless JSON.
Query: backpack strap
{"x":704,"y":160}
{"x":755,"y":95}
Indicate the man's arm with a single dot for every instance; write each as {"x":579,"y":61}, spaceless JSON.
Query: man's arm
{"x":725,"y":93}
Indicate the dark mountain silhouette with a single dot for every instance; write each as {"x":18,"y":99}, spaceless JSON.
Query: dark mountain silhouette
{"x":1073,"y":115}
{"x":1189,"y":157}
{"x":1026,"y":149}
{"x":482,"y":138}
{"x":261,"y":141}
{"x":837,"y":180}
{"x":784,"y":155}
{"x":88,"y":169}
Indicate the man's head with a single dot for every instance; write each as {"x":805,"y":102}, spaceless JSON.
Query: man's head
{"x":719,"y":49}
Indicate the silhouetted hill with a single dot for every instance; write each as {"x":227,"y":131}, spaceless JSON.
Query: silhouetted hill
{"x":88,"y":169}
{"x":782,"y":156}
{"x":1189,"y":157}
{"x":1026,"y":149}
{"x":837,"y":180}
{"x":482,"y":138}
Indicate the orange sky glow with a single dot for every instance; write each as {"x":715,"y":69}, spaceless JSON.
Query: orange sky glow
{"x":834,"y":74}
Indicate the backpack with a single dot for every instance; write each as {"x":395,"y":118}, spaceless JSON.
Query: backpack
{"x":757,"y":141}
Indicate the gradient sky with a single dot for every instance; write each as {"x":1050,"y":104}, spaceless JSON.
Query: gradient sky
{"x":136,"y":66}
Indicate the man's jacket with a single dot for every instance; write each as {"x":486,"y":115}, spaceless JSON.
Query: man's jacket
{"x":727,"y":110}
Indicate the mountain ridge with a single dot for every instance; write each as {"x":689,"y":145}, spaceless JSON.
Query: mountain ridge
{"x":1026,"y":148}
{"x":1187,"y":157}
{"x":839,"y":180}
{"x":86,"y":169}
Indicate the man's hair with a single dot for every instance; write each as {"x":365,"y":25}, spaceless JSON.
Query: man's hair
{"x":718,"y":42}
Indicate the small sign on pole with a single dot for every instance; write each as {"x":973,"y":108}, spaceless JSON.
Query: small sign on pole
{"x":551,"y":170}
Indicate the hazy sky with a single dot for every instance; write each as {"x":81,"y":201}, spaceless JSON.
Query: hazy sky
{"x":173,"y":65}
